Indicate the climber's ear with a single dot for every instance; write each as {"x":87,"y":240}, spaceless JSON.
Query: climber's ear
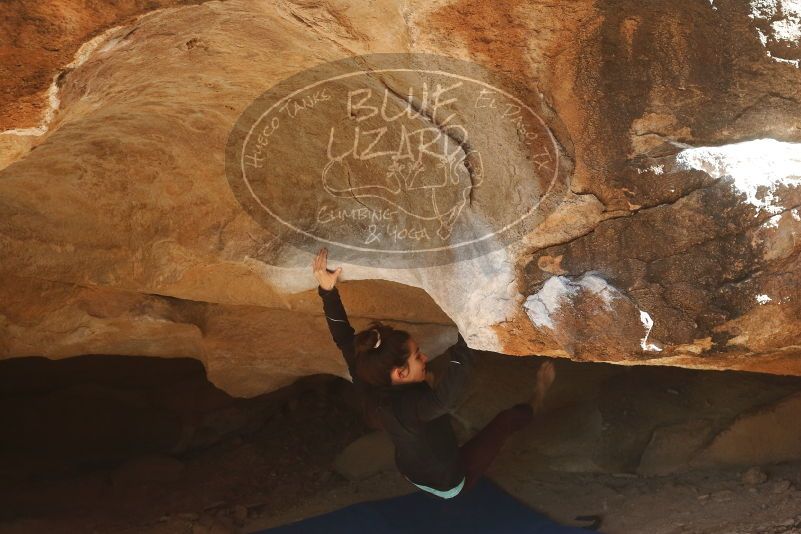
{"x":398,"y":375}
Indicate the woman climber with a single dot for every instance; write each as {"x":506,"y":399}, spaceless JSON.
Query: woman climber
{"x":397,"y":393}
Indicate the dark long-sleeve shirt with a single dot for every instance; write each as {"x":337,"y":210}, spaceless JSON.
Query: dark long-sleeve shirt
{"x":415,"y":415}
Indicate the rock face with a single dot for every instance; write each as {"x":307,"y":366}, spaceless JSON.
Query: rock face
{"x":46,"y":43}
{"x":673,"y":239}
{"x":643,"y":419}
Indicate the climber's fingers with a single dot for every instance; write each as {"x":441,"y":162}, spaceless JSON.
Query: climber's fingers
{"x":320,"y":261}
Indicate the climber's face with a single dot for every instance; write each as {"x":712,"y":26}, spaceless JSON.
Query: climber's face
{"x":415,"y":368}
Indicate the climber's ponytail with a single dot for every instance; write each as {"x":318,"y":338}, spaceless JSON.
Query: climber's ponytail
{"x":379,"y":349}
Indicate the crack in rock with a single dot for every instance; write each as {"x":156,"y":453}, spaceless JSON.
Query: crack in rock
{"x":459,"y":140}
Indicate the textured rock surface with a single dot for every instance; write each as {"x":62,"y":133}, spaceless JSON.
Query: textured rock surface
{"x":120,"y":235}
{"x":45,"y":42}
{"x":643,"y":420}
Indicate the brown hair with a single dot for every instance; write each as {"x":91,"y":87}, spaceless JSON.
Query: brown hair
{"x":374,"y":364}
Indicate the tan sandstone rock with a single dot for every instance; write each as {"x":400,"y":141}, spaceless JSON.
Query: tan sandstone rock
{"x":671,"y":239}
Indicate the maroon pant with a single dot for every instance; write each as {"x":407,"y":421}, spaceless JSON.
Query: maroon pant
{"x":478,"y":453}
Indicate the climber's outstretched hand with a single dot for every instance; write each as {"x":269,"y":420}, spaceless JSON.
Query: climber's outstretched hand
{"x":326,"y":277}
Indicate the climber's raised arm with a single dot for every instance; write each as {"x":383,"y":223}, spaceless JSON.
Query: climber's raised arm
{"x":333,"y":309}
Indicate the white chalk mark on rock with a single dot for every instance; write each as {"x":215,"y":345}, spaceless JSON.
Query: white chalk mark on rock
{"x":600,"y":287}
{"x":541,"y":306}
{"x":763,"y":299}
{"x":547,"y":301}
{"x":648,"y":323}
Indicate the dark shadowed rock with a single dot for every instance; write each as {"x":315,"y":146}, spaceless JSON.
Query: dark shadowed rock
{"x":366,"y":456}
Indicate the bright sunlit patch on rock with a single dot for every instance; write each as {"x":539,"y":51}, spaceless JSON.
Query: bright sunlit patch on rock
{"x":757,"y":168}
{"x":788,"y":29}
{"x":781,"y":19}
{"x":773,"y":222}
{"x":762,"y":9}
{"x":763,"y":299}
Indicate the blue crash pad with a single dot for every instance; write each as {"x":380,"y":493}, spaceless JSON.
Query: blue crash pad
{"x":484,"y":509}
